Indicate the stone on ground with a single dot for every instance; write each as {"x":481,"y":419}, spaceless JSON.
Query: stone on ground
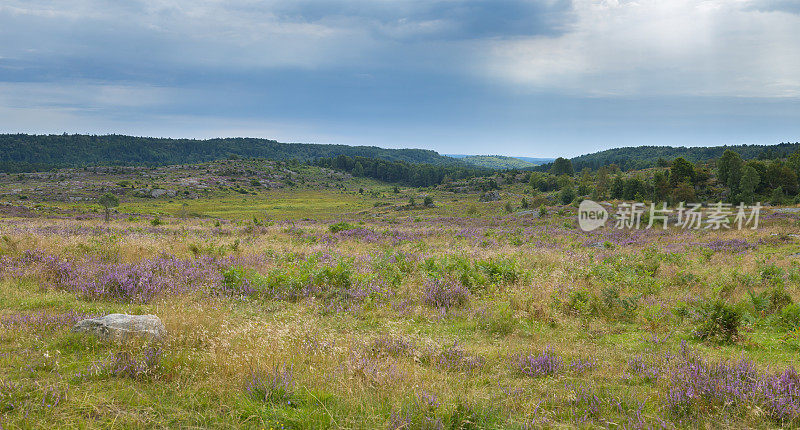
{"x":116,"y":326}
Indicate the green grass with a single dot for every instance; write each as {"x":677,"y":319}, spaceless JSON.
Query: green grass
{"x":533,"y":284}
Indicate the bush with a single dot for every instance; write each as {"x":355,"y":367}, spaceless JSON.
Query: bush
{"x":428,"y":202}
{"x":545,"y":364}
{"x":340,"y":226}
{"x":445,"y":293}
{"x":778,"y":298}
{"x":580,"y":302}
{"x":770,"y":301}
{"x":789,"y":317}
{"x":567,"y":195}
{"x":542,"y":211}
{"x":771,"y":272}
{"x":718,"y":322}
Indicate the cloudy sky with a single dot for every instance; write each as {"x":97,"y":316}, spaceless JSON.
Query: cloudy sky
{"x":515,"y":77}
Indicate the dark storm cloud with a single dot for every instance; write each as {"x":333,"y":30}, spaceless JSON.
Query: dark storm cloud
{"x":538,"y":77}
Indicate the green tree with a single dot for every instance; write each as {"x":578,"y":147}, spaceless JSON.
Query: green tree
{"x":602,"y":184}
{"x":632,"y":187}
{"x":564,"y":181}
{"x":681,"y":171}
{"x":617,"y":187}
{"x":358,"y":169}
{"x":794,"y":162}
{"x":562,"y":166}
{"x":777,"y":196}
{"x":428,"y":201}
{"x":661,"y":186}
{"x":729,"y":164}
{"x":567,"y":195}
{"x":779,"y":174}
{"x":684,"y":192}
{"x":108,"y":201}
{"x":748,"y":185}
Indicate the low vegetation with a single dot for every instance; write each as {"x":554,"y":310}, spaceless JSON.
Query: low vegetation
{"x":300,"y":296}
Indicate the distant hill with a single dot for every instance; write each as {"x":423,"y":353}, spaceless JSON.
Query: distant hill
{"x":499,"y":162}
{"x":633,"y":158}
{"x":536,"y":161}
{"x":23,"y":152}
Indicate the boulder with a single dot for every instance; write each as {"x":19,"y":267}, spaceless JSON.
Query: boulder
{"x":117,"y":326}
{"x":491,"y":196}
{"x":528,"y":213}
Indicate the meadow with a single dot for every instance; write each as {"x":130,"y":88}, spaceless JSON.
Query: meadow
{"x":334,"y":302}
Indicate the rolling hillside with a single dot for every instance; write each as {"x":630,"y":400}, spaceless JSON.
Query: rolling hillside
{"x":633,"y":158}
{"x":500,"y":162}
{"x":23,"y":152}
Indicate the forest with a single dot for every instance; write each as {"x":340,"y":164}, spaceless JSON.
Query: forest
{"x":417,"y":175}
{"x":731,"y":178}
{"x":642,"y":157}
{"x":29,"y":153}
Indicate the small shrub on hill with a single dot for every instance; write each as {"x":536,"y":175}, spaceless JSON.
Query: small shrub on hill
{"x":718,"y":322}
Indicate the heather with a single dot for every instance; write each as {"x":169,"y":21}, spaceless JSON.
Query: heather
{"x":456,"y":315}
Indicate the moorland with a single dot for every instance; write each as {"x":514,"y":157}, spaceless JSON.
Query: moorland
{"x":301,"y":295}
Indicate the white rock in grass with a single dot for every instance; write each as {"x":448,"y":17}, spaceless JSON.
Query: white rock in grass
{"x":122,"y":325}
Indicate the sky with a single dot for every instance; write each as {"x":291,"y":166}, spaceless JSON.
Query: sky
{"x":539,"y":78}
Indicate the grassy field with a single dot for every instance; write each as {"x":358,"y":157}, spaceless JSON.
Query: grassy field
{"x":318,"y":306}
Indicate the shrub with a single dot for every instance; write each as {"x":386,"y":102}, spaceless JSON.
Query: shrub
{"x":770,"y":301}
{"x":545,"y":364}
{"x":789,"y":317}
{"x":579,"y":302}
{"x":340,"y":226}
{"x":428,"y":202}
{"x":778,"y":298}
{"x":338,"y":276}
{"x":771,"y":273}
{"x":718,"y":322}
{"x":236,"y":280}
{"x":499,"y":271}
{"x":445,"y":293}
{"x":567,"y":195}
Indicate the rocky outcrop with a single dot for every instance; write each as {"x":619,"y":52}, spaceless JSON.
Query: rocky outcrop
{"x":120,"y":326}
{"x":491,"y":196}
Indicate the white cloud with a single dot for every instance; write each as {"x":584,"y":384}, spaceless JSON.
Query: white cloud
{"x":657,"y":47}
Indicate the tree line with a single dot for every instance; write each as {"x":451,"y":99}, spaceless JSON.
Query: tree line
{"x":730,"y":178}
{"x":28,"y":153}
{"x":644,"y":157}
{"x":417,"y":175}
